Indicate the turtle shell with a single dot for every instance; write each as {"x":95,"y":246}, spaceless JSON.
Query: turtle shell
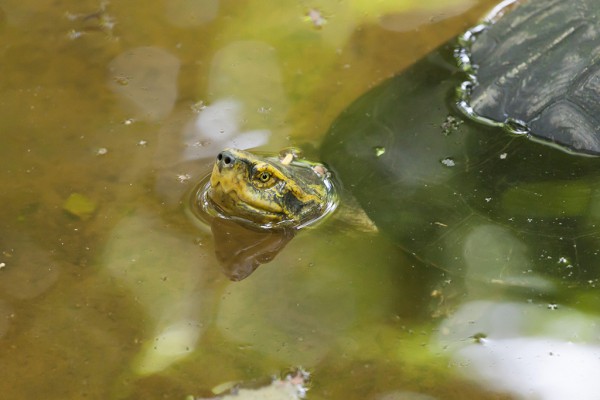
{"x":461,"y":195}
{"x":539,"y":67}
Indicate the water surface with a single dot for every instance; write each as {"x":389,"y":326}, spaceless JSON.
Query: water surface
{"x":110,"y":113}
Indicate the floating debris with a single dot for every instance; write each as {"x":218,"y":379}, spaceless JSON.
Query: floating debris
{"x":73,"y":34}
{"x":292,"y":387}
{"x":287,"y":160}
{"x":316,"y":17}
{"x":198,"y":106}
{"x":201,"y":143}
{"x":479,"y":338}
{"x":293,"y":152}
{"x":183,"y":178}
{"x":101,"y":151}
{"x":121,"y":80}
{"x":451,"y":124}
{"x":448,"y":162}
{"x":98,"y":21}
{"x":379,"y":151}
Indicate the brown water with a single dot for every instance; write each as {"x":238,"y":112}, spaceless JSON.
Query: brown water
{"x":110,"y":113}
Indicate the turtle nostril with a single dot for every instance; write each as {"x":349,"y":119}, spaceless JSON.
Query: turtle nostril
{"x":225,"y":158}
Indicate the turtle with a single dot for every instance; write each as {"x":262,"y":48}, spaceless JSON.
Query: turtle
{"x":485,"y":150}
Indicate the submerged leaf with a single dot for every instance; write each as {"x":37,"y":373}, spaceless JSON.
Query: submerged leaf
{"x":79,"y":206}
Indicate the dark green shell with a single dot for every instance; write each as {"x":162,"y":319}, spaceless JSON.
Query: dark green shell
{"x":450,"y":191}
{"x":539,"y":66}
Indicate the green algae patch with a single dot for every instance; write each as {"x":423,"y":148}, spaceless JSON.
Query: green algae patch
{"x":79,"y":206}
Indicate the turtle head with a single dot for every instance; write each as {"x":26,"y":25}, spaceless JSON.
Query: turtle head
{"x":265,"y":190}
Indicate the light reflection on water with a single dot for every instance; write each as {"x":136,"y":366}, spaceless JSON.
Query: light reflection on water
{"x":531,"y":350}
{"x":131,"y":303}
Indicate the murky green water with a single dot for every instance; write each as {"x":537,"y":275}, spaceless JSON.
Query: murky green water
{"x":110,"y":113}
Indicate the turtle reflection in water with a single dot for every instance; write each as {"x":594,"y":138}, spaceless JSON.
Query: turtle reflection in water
{"x":512,"y":186}
{"x":256,"y":204}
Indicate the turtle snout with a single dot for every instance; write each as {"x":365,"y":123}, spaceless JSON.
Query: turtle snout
{"x":225,"y":159}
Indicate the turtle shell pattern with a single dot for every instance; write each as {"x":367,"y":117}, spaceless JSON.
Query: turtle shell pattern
{"x":540,"y":66}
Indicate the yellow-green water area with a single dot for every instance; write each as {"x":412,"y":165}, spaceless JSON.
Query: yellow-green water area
{"x":112,"y":111}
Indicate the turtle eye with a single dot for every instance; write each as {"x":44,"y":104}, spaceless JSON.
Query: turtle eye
{"x":264,"y":176}
{"x":264,"y":179}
